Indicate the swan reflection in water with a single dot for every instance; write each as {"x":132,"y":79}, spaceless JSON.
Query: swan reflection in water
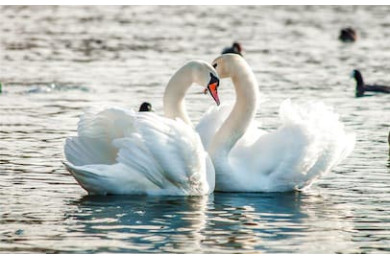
{"x":281,"y":222}
{"x":219,"y":223}
{"x":143,"y":224}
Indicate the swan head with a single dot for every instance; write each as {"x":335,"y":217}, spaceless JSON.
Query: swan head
{"x":205,"y":75}
{"x":222,"y":64}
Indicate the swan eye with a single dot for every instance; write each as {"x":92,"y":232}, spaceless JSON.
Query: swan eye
{"x":215,"y":65}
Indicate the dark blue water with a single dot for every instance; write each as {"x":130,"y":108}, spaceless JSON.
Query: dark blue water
{"x":57,"y":61}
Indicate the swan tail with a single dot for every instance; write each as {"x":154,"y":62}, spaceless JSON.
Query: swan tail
{"x":84,"y":150}
{"x":100,"y":179}
{"x":89,"y":179}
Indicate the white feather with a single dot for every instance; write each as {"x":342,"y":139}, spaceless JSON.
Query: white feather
{"x":310,"y":141}
{"x":153,"y":155}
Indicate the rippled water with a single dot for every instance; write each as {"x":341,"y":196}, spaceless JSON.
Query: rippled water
{"x":57,"y":61}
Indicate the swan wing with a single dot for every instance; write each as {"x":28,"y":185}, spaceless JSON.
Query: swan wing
{"x":96,"y":132}
{"x":308,"y":144}
{"x":153,"y":155}
{"x":168,"y":152}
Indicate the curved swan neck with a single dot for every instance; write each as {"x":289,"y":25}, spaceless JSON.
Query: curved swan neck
{"x":173,"y":102}
{"x":244,"y":110}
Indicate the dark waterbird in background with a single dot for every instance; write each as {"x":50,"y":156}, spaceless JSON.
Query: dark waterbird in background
{"x":348,"y":34}
{"x":145,"y":107}
{"x":388,"y":139}
{"x":236,"y":48}
{"x":361,"y":87}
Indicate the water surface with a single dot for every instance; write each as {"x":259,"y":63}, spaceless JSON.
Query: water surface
{"x":57,"y":61}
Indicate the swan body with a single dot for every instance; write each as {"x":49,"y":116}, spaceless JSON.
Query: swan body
{"x":119,"y":151}
{"x":309,"y":143}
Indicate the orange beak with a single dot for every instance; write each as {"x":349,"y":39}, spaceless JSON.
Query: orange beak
{"x":213,"y":88}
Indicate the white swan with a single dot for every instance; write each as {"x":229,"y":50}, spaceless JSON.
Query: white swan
{"x":120,"y":151}
{"x":310,"y":141}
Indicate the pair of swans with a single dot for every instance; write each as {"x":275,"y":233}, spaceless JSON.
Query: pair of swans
{"x":123,"y":152}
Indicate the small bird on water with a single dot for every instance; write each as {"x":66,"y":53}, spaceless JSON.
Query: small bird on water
{"x":388,"y":140}
{"x":145,"y":107}
{"x":348,"y":34}
{"x":235,"y":48}
{"x":361,"y":87}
